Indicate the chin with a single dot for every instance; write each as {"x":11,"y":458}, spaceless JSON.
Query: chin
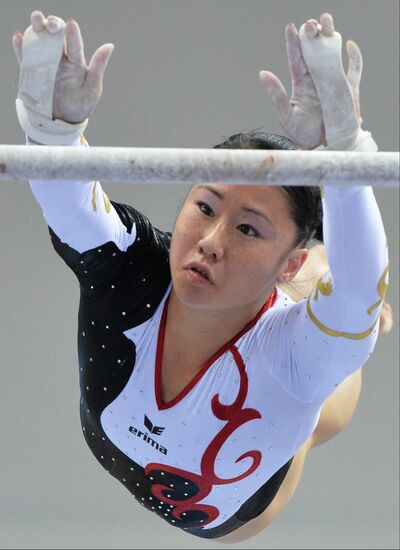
{"x":196,"y":297}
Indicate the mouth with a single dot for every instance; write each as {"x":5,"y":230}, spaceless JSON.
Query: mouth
{"x":199,"y":272}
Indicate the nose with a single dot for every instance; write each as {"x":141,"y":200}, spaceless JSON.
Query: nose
{"x":213,"y":243}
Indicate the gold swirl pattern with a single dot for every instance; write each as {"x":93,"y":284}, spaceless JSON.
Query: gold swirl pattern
{"x":94,"y":202}
{"x":324,"y":288}
{"x":382,"y":287}
{"x":337,"y":333}
{"x":107,"y":203}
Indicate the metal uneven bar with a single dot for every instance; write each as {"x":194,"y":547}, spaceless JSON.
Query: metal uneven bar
{"x":161,"y":165}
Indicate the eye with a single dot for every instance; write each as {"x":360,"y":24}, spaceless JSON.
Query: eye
{"x":205,"y":208}
{"x":248,"y":230}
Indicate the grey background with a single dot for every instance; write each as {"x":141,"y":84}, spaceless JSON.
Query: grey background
{"x":183,"y":74}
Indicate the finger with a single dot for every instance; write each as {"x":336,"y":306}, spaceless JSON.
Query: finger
{"x":17,"y":45}
{"x":37,"y":20}
{"x":327,"y":25}
{"x":74,"y":43}
{"x":311,"y":28}
{"x":276,"y":90}
{"x":355,"y":64}
{"x":97,"y":66}
{"x":54,"y":24}
{"x":297,"y":66}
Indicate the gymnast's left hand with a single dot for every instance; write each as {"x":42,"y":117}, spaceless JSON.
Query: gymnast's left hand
{"x":302,"y":115}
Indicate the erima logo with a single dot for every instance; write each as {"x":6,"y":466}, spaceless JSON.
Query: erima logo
{"x":156,"y":430}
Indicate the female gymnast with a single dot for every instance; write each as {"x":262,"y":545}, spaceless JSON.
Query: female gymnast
{"x":206,"y":374}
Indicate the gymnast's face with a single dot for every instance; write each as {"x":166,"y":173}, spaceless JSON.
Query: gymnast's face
{"x":231,"y":244}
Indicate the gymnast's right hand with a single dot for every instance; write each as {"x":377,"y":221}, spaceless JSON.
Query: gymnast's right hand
{"x":57,"y":89}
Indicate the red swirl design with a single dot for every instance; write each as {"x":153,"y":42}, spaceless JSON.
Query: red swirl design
{"x":189,"y":504}
{"x":235,"y":416}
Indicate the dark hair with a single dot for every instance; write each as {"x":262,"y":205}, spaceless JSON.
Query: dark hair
{"x":305,"y":202}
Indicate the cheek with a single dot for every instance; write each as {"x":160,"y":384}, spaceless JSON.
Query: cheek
{"x":183,"y":238}
{"x":254,"y":270}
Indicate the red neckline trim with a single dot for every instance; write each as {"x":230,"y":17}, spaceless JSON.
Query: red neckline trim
{"x":160,"y":349}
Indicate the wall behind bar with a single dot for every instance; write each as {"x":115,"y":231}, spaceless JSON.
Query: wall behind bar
{"x":184,"y":73}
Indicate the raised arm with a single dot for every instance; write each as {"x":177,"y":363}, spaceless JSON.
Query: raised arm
{"x":58,"y":91}
{"x":307,"y":278}
{"x":333,"y":332}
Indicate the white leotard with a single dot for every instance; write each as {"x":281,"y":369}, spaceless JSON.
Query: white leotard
{"x":213,"y":457}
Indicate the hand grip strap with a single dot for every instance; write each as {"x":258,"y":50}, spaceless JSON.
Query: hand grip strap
{"x":41,"y":55}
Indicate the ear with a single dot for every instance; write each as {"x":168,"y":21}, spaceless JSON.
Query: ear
{"x":292,"y":265}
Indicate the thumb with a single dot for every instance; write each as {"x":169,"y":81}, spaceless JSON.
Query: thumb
{"x":97,"y":66}
{"x":355,"y":64}
{"x":276,"y":90}
{"x":354,"y":72}
{"x":17,"y":45}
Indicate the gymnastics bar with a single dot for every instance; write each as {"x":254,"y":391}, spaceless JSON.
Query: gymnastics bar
{"x":162,"y":165}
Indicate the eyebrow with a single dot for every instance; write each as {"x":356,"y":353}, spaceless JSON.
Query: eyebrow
{"x":248,"y":209}
{"x":214,"y":191}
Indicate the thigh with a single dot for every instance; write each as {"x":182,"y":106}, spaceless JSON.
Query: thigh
{"x":338,"y":409}
{"x":283,"y":496}
{"x":336,"y":413}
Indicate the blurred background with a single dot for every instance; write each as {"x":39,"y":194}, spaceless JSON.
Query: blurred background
{"x":184,"y":73}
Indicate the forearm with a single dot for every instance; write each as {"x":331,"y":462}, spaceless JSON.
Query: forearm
{"x":349,"y":296}
{"x":320,"y":341}
{"x":80,"y":213}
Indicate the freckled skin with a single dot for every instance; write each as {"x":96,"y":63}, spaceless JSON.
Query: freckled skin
{"x":244,"y":267}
